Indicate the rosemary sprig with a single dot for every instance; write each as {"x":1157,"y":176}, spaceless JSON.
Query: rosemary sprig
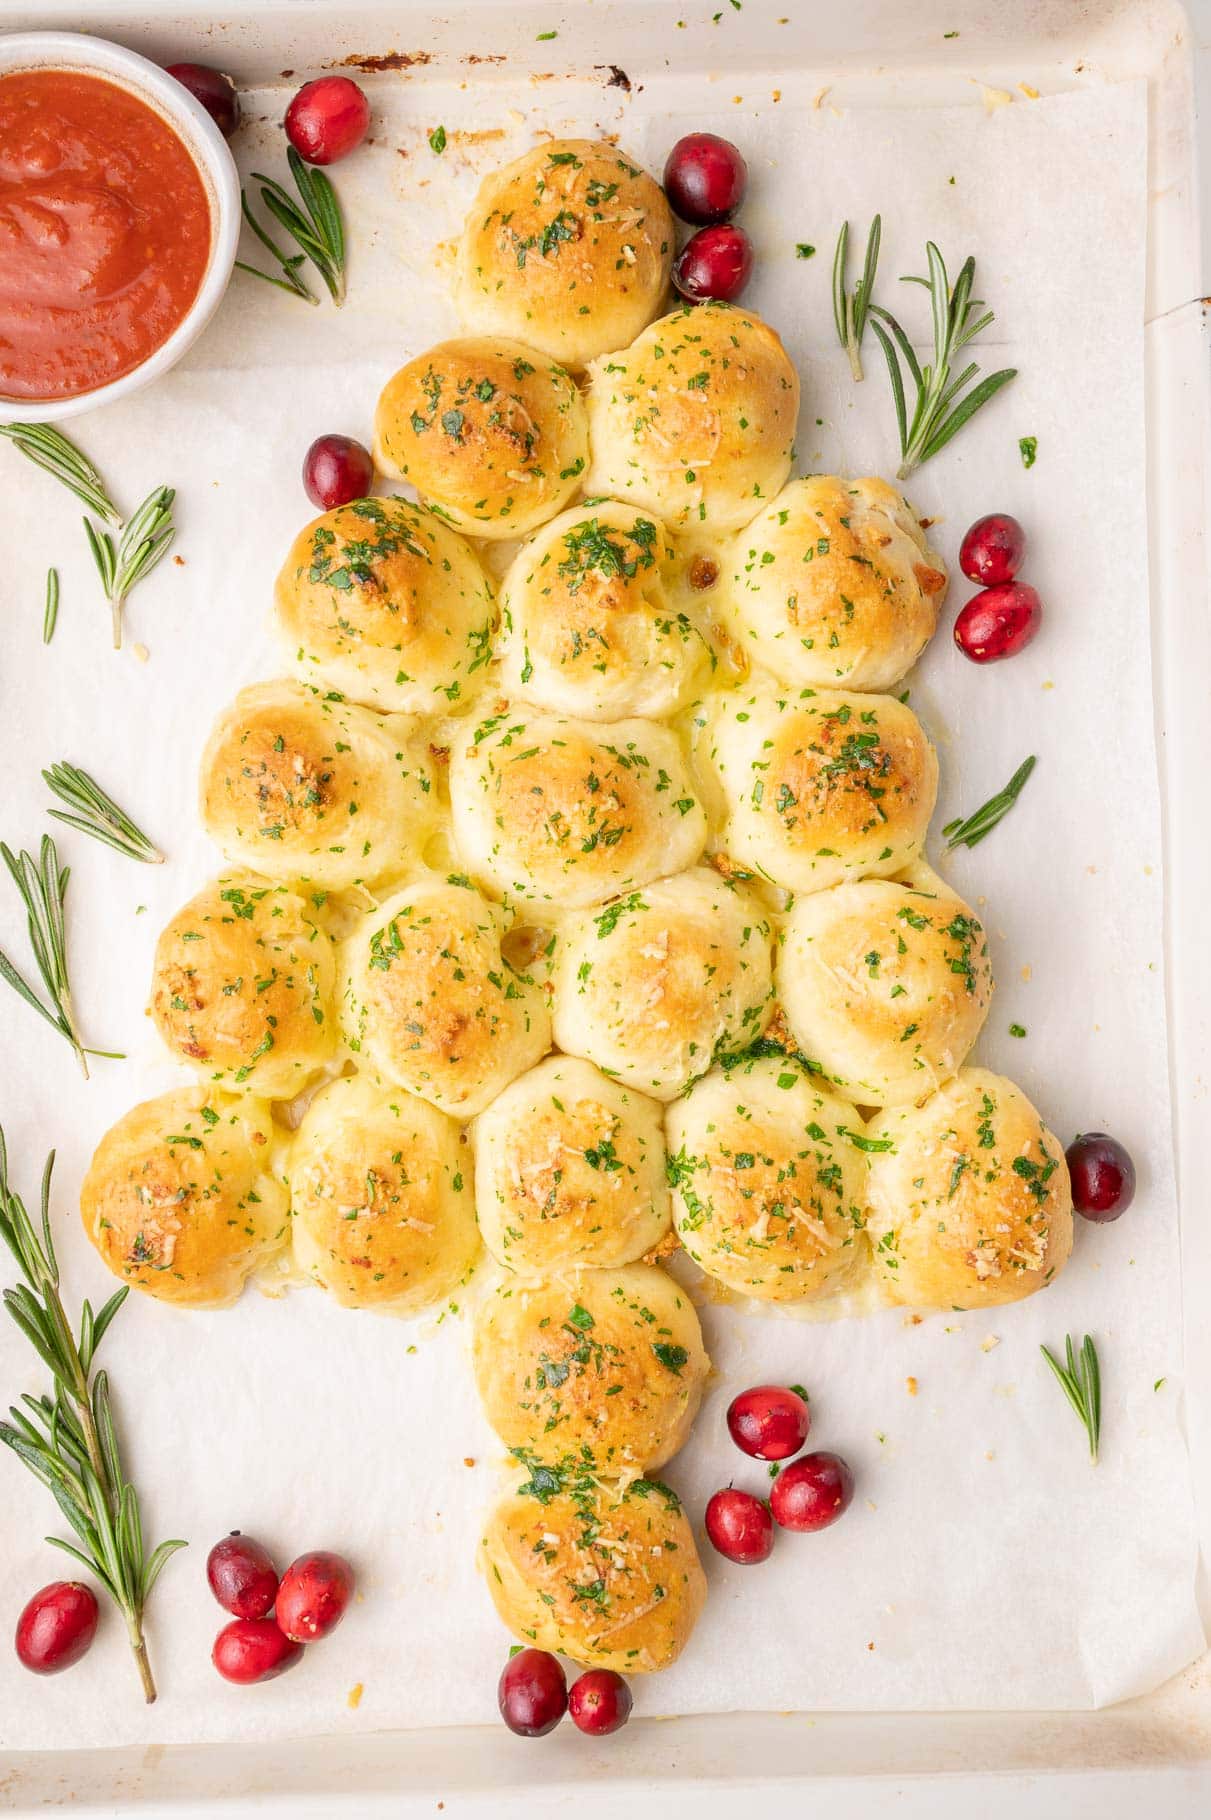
{"x":50,"y":449}
{"x":941,"y":408}
{"x":971,"y":830}
{"x":143,"y":541}
{"x":68,"y":1440}
{"x":313,"y":223}
{"x":850,"y":312}
{"x":1080,"y":1379}
{"x":97,"y":814}
{"x":50,"y":613}
{"x":43,"y":889}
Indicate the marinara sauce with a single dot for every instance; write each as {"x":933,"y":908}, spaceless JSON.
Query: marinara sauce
{"x":104,"y":232}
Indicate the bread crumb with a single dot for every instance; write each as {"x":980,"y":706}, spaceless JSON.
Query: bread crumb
{"x":141,"y":652}
{"x":180,"y":561}
{"x":1028,"y":89}
{"x":913,"y":1320}
{"x":469,"y":1460}
{"x":993,"y":98}
{"x":1026,"y":973}
{"x":818,"y":97}
{"x":910,"y":1385}
{"x":989,"y":1341}
{"x":353,"y":1698}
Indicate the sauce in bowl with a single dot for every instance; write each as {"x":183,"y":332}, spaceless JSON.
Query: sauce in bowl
{"x":105,"y":232}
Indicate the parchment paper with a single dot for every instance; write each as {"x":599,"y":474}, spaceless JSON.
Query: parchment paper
{"x":985,"y":1562}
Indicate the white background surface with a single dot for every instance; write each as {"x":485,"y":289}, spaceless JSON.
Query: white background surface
{"x":260,"y":1403}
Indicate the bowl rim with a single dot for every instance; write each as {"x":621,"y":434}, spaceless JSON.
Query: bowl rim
{"x":210,"y":152}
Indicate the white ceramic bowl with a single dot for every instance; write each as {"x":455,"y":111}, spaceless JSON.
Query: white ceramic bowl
{"x":163,"y":93}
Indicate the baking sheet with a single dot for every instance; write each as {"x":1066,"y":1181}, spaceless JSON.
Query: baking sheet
{"x":984,"y":1564}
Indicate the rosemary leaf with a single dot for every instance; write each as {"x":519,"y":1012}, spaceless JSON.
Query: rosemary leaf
{"x":144,"y":540}
{"x":50,"y":449}
{"x":42,"y":886}
{"x":50,"y":614}
{"x":313,"y":221}
{"x":69,"y":1441}
{"x":95,"y":813}
{"x":1080,"y":1380}
{"x":942,"y":405}
{"x":850,"y":311}
{"x":970,"y":831}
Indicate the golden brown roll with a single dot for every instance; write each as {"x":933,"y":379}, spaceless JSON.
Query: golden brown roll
{"x":695,"y":421}
{"x":299,"y":787}
{"x":242,"y":987}
{"x":569,"y":1169}
{"x":819,"y":786}
{"x":380,"y":1188}
{"x":379,"y":600}
{"x":568,"y":811}
{"x":886,"y":984}
{"x":568,"y":247}
{"x":181,"y":1200}
{"x":491,"y":433}
{"x":768,"y":1187}
{"x":604,"y":1574}
{"x":970,"y":1204}
{"x":587,"y":625}
{"x":658,"y":983}
{"x":834,"y":584}
{"x":428,"y":1000}
{"x":611,"y":1361}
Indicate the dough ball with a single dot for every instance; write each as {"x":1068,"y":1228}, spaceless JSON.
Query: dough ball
{"x":658,"y":983}
{"x":569,"y":1169}
{"x":587,"y":625}
{"x":886,"y":984}
{"x":491,"y":433}
{"x":380,"y":1187}
{"x":606,"y":1574}
{"x":242,"y":987}
{"x":833,"y":583}
{"x":380,"y":601}
{"x":429,"y":1001}
{"x":695,"y":421}
{"x":568,"y":247}
{"x":768,"y":1188}
{"x":969,"y":1199}
{"x":819,"y":787}
{"x":181,"y":1199}
{"x":569,"y":811}
{"x":299,"y":787}
{"x":611,"y":1361}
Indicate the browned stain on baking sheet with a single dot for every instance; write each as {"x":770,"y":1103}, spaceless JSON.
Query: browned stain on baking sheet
{"x":388,"y":60}
{"x":615,"y":77}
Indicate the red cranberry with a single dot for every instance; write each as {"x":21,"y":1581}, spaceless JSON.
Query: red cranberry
{"x":714,"y":264}
{"x":253,"y":1649}
{"x":242,"y":1576}
{"x":600,"y":1702}
{"x":1103,"y":1177}
{"x":313,"y":1596}
{"x":705,"y":179}
{"x":532,"y":1693}
{"x":992,"y":550}
{"x":335,"y":470}
{"x":812,"y":1492}
{"x":768,"y":1422}
{"x":57,"y":1627}
{"x":216,"y":92}
{"x":740,"y":1526}
{"x":998,"y":623}
{"x":327,"y":119}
